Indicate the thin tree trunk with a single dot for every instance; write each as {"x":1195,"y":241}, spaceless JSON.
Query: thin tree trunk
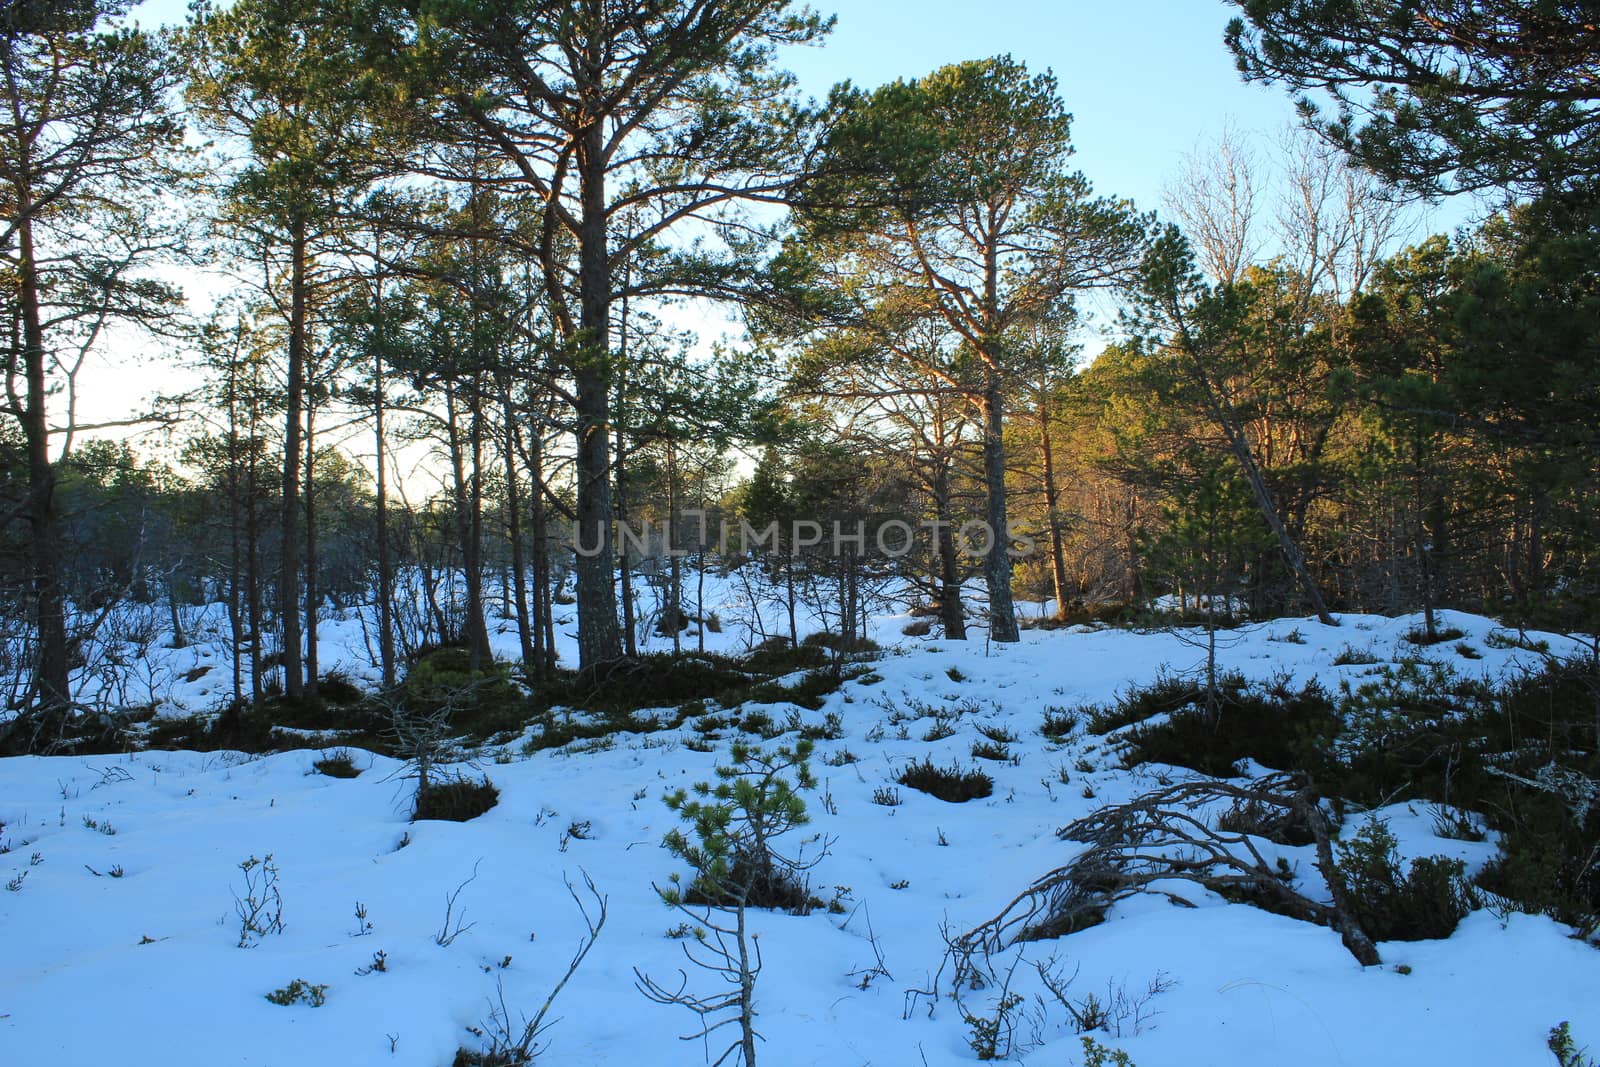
{"x":309,"y":491}
{"x":386,"y":656}
{"x":252,"y":539}
{"x":472,"y":551}
{"x":289,"y":576}
{"x":519,"y":589}
{"x":1052,"y":503}
{"x":624,"y":566}
{"x":952,"y":614}
{"x":235,"y":561}
{"x":175,"y":616}
{"x":997,"y":560}
{"x":674,"y":562}
{"x":543,"y":595}
{"x":1227,"y":421}
{"x":788,"y":576}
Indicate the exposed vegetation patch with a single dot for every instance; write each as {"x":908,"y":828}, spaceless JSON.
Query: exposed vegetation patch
{"x":1424,"y":902}
{"x":455,"y":799}
{"x":1272,"y":723}
{"x":339,"y":764}
{"x":950,"y":783}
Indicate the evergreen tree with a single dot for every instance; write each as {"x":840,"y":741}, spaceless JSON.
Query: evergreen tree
{"x":626,"y":123}
{"x":1440,"y":95}
{"x":87,"y":134}
{"x":949,"y":197}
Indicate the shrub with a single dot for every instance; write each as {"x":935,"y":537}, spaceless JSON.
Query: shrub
{"x":1058,"y":723}
{"x":1565,"y":1050}
{"x":734,"y":825}
{"x":1525,"y":755}
{"x":950,"y":784}
{"x":1277,"y":824}
{"x":1420,"y":635}
{"x":776,"y":655}
{"x":991,"y":750}
{"x":1425,"y":903}
{"x":759,"y":722}
{"x":241,"y":727}
{"x":1167,"y":694}
{"x":1350,"y":656}
{"x":337,"y":764}
{"x":839,"y":642}
{"x":1403,"y":730}
{"x":299,"y":991}
{"x":260,"y":909}
{"x":830,"y":729}
{"x":455,"y":799}
{"x":1279,"y":727}
{"x":337,"y":687}
{"x":1097,"y":1055}
{"x":917,"y":628}
{"x":481,"y":702}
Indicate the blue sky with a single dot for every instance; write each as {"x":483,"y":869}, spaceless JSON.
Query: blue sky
{"x":1144,"y":79}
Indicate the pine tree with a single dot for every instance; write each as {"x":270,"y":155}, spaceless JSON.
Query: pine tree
{"x":949,"y":197}
{"x":624,"y":122}
{"x":1440,"y":95}
{"x":87,"y":133}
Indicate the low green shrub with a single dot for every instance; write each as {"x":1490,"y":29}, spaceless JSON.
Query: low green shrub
{"x":300,"y":991}
{"x":950,"y":783}
{"x":1167,"y":694}
{"x":337,"y":764}
{"x":1059,"y":722}
{"x":732,"y":827}
{"x":1272,"y":723}
{"x":991,"y":750}
{"x":1424,"y":903}
{"x":1565,"y":1050}
{"x":455,"y":799}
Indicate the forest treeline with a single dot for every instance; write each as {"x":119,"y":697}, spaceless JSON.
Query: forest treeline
{"x":471,"y":230}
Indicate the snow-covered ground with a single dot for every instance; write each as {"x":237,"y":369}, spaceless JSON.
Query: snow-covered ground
{"x":145,"y":968}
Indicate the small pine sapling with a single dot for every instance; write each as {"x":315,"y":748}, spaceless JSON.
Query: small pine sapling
{"x":733,"y":827}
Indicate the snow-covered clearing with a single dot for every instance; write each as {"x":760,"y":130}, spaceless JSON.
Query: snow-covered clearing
{"x":145,"y":968}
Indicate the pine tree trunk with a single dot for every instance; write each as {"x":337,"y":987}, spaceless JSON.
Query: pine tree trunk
{"x":289,"y":574}
{"x":599,"y":639}
{"x":479,"y":654}
{"x":52,"y":682}
{"x":519,"y":588}
{"x":1052,"y":503}
{"x":543,"y":595}
{"x":310,"y":494}
{"x":386,"y":658}
{"x":252,"y":542}
{"x":952,"y":614}
{"x":236,"y":627}
{"x":674,"y":562}
{"x":997,"y":560}
{"x":1227,"y":421}
{"x":624,"y":565}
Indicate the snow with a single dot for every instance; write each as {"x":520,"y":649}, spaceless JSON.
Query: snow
{"x":79,"y":986}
